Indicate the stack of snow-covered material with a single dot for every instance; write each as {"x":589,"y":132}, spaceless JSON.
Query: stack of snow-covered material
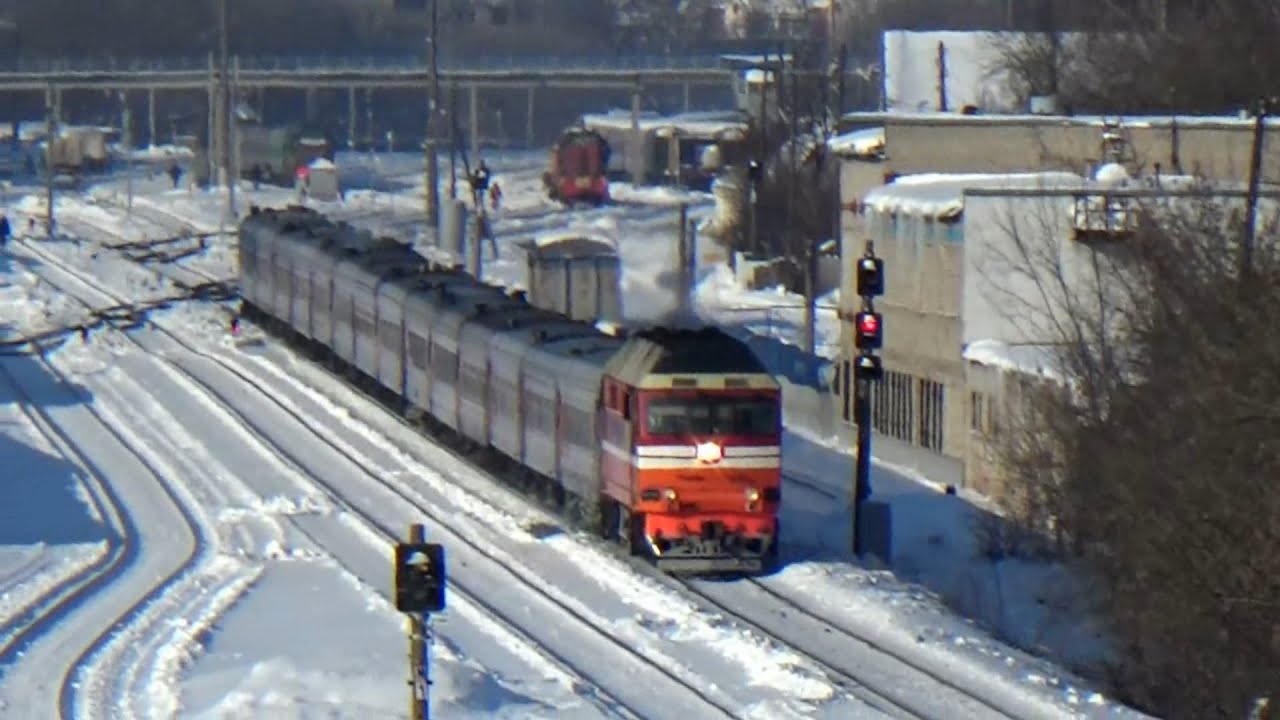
{"x":323,"y":181}
{"x":862,"y":144}
{"x":730,"y":218}
{"x":575,"y":273}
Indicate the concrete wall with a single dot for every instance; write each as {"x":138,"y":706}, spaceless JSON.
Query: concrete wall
{"x":814,"y":412}
{"x":1215,"y":148}
{"x":1003,"y":293}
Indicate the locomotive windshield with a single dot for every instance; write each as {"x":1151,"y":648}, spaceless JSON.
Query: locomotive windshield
{"x":712,"y":416}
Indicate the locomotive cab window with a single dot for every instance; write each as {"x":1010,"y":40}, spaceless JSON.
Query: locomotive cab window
{"x":712,"y":416}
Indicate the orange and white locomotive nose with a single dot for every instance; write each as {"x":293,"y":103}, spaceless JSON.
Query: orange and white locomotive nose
{"x":708,"y":452}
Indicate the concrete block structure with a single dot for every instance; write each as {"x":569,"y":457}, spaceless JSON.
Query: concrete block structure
{"x":967,"y":326}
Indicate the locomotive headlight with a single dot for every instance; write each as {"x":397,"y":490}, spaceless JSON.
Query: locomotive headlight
{"x":709,"y":452}
{"x":671,"y":495}
{"x":753,"y":495}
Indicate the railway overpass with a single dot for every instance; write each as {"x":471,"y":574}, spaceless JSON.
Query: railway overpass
{"x":357,"y":74}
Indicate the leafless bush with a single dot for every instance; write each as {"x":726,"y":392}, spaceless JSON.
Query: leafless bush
{"x":1151,"y":459}
{"x":1198,"y":57}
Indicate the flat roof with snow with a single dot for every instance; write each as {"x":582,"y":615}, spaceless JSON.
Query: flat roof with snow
{"x":1129,"y":121}
{"x":941,"y":195}
{"x":1027,"y":359}
{"x":696,"y":124}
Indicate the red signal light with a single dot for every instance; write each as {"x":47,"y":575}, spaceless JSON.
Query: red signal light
{"x":869,"y":327}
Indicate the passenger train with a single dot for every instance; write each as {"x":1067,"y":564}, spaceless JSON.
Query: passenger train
{"x":667,"y":440}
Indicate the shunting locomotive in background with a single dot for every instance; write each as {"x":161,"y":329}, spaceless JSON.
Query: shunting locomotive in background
{"x":577,"y":167}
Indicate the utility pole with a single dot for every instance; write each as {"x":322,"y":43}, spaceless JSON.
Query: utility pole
{"x":432,"y":195}
{"x":51,"y":137}
{"x":942,"y":77}
{"x":224,"y":107}
{"x":453,"y":141}
{"x":127,"y":126}
{"x":1255,"y":180}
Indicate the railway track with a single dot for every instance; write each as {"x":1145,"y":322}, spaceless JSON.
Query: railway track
{"x":882,"y":690}
{"x":612,"y":703}
{"x":48,"y":607}
{"x":126,"y":548}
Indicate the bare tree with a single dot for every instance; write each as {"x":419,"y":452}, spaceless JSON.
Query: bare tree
{"x":1184,"y":55}
{"x":1150,"y":461}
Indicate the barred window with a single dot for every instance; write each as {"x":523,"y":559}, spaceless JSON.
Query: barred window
{"x":931,"y":397}
{"x":982,"y":412}
{"x":891,"y":410}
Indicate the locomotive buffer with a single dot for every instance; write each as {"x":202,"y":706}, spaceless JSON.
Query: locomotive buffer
{"x":419,"y":591}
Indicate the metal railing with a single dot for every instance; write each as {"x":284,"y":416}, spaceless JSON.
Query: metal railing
{"x":357,"y":63}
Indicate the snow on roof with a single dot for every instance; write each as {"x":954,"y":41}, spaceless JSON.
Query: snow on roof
{"x":704,"y":128}
{"x":867,"y":142}
{"x":322,"y":164}
{"x":941,"y":195}
{"x":696,"y":124}
{"x":1099,"y":121}
{"x":758,"y":77}
{"x":574,"y":237}
{"x":1028,"y":359}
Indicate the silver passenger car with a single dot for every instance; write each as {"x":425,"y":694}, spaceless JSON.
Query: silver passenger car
{"x":422,"y":301}
{"x":474,"y":344}
{"x":384,"y":263}
{"x":578,"y":381}
{"x":546,"y":424}
{"x":507,"y":351}
{"x":456,"y":305}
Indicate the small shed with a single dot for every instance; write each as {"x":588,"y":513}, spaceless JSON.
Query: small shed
{"x":575,"y":274}
{"x":322,"y":180}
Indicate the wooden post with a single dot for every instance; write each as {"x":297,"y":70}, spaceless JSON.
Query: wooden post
{"x":1255,"y":180}
{"x":682,"y":263}
{"x":528,"y":128}
{"x":635,"y":148}
{"x":942,"y":77}
{"x":475,"y":123}
{"x":151,"y":116}
{"x":51,"y":132}
{"x":351,"y":117}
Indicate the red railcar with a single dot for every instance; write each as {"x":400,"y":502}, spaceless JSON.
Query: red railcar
{"x":577,"y":166}
{"x":691,"y":459}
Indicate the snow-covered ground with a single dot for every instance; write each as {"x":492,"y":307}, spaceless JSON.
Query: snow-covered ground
{"x":258,"y":581}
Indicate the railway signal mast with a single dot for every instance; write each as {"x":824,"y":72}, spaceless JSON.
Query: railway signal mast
{"x":867,"y":369}
{"x":419,"y":591}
